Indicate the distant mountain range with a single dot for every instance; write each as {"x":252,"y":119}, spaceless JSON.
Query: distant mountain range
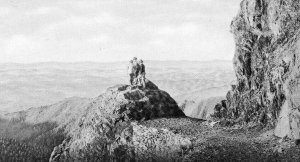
{"x":32,"y":85}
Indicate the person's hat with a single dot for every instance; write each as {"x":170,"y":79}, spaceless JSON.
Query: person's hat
{"x":141,"y":61}
{"x":134,"y":58}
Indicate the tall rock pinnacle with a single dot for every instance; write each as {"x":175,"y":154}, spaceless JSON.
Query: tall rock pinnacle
{"x":267,"y":66}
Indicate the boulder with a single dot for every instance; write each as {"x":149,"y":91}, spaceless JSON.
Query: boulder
{"x":106,"y":128}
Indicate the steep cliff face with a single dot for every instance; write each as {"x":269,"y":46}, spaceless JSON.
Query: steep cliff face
{"x":267,"y":67}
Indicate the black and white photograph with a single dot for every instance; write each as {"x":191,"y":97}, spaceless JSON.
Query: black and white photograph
{"x":149,"y":80}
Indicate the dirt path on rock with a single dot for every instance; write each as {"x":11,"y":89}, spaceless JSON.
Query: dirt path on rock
{"x":228,"y":144}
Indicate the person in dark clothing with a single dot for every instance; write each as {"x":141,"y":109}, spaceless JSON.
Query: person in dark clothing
{"x":138,"y":68}
{"x":142,"y":73}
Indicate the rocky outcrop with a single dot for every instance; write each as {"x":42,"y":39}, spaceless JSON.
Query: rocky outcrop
{"x":266,"y":64}
{"x":107,"y":128}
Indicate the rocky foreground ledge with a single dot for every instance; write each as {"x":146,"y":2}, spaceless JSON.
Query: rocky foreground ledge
{"x":108,"y":128}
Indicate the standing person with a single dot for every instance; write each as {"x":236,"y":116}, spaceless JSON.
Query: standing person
{"x":142,"y":74}
{"x":130,"y":71}
{"x":135,"y":71}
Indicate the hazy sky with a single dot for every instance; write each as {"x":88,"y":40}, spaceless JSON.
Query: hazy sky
{"x":115,"y":30}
